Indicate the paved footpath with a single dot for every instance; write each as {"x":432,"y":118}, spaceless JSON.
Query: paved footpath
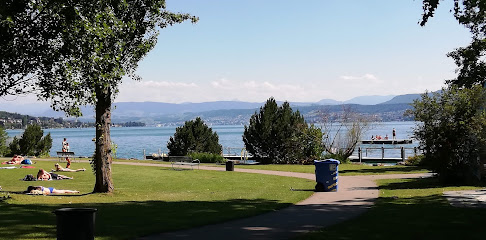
{"x":355,"y":195}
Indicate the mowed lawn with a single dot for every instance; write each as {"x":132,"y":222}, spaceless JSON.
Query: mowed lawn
{"x":411,"y":209}
{"x":344,"y":169}
{"x":347,"y":169}
{"x":146,"y":200}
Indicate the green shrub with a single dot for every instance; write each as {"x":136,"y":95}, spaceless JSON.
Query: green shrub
{"x":207,"y":157}
{"x":452,"y":132}
{"x":194,"y":136}
{"x":277,"y":134}
{"x":3,"y":142}
{"x":32,"y":142}
{"x":417,"y":160}
{"x":337,"y":156}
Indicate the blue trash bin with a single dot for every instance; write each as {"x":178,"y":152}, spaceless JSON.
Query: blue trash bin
{"x":326,"y":175}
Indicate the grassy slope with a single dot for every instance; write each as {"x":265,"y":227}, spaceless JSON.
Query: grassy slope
{"x":146,"y":200}
{"x":411,"y":209}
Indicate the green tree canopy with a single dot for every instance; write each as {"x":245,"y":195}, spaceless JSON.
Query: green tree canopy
{"x":194,"y":136}
{"x":453,"y":132}
{"x":470,"y":62}
{"x":76,"y":52}
{"x":3,"y":141}
{"x":280,"y":135}
{"x":32,"y":142}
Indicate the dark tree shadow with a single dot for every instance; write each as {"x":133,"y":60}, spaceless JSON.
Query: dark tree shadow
{"x":421,"y":183}
{"x":382,"y":170}
{"x":127,"y":220}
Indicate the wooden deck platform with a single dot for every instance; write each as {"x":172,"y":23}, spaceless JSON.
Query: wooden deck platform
{"x":374,"y":159}
{"x":388,"y":141}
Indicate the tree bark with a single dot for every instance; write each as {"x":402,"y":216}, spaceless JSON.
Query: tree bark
{"x":103,"y":159}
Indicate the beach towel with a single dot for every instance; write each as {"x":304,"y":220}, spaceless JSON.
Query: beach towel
{"x":27,"y":167}
{"x":8,"y":167}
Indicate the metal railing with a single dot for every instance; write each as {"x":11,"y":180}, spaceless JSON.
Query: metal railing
{"x":403,"y":152}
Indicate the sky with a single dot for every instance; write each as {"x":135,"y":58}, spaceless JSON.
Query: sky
{"x":299,"y":51}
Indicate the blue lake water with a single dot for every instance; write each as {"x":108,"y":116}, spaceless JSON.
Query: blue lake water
{"x":132,"y":141}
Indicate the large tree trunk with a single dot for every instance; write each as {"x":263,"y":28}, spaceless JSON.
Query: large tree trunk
{"x":103,"y":160}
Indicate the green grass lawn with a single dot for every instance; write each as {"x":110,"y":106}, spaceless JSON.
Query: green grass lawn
{"x":411,"y":209}
{"x":146,"y":200}
{"x":344,"y":169}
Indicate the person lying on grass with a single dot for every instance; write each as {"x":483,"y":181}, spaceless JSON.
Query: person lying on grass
{"x":43,"y":175}
{"x":61,"y":169}
{"x":47,"y":190}
{"x":17,"y":159}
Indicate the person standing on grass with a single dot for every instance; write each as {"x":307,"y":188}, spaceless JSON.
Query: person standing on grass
{"x":64,"y":144}
{"x":65,"y":148}
{"x":67,"y":158}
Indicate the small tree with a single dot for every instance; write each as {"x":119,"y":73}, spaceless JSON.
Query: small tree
{"x":311,"y":143}
{"x":194,"y":136}
{"x":280,"y":135}
{"x":32,"y":142}
{"x":452,"y":133}
{"x":14,"y":146}
{"x":3,"y":142}
{"x":343,"y":131}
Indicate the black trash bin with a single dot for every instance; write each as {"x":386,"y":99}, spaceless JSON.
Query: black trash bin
{"x":75,"y":223}
{"x":230,"y":166}
{"x":326,"y":175}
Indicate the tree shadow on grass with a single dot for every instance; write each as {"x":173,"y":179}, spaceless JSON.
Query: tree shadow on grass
{"x":130,"y":219}
{"x":420,"y":183}
{"x":381,"y":170}
{"x":419,"y":217}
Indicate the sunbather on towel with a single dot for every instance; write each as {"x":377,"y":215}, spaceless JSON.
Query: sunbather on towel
{"x":17,"y":159}
{"x":61,"y":169}
{"x":47,"y":190}
{"x":43,"y":175}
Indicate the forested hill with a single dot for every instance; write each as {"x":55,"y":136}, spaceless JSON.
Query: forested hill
{"x":14,"y":121}
{"x":312,"y":114}
{"x":17,"y":121}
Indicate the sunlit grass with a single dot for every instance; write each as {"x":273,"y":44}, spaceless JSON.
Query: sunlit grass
{"x":146,"y":199}
{"x":344,"y":169}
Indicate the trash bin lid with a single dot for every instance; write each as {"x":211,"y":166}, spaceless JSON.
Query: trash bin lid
{"x":327,"y":161}
{"x":74,"y":210}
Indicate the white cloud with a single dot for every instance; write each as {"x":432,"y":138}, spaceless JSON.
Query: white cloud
{"x":163,"y":84}
{"x":367,"y":76}
{"x":258,"y":91}
{"x":155,"y":91}
{"x":251,"y":90}
{"x":222,"y":89}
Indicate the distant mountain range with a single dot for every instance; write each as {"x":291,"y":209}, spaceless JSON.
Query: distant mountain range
{"x":220,"y":112}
